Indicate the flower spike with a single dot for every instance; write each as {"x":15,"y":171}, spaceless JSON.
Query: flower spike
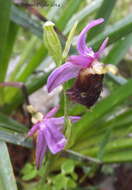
{"x":86,"y":68}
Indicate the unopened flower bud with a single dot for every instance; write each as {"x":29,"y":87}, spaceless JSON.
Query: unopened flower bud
{"x":52,"y":42}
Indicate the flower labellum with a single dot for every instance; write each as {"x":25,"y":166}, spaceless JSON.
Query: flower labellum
{"x":86,"y":68}
{"x":49,"y":134}
{"x":86,"y":89}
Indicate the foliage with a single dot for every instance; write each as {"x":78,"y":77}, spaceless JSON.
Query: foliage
{"x":104,"y":131}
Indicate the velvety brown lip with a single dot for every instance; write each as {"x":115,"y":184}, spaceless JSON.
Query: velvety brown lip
{"x":86,"y":90}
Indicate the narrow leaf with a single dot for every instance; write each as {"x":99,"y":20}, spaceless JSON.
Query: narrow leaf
{"x":119,"y":50}
{"x":70,"y":9}
{"x":12,"y":33}
{"x":69,"y":41}
{"x":104,"y":12}
{"x":25,"y":54}
{"x":115,"y":32}
{"x":8,"y":123}
{"x":16,"y":139}
{"x":4,"y":25}
{"x":22,"y":18}
{"x":6,"y":172}
{"x":80,"y":15}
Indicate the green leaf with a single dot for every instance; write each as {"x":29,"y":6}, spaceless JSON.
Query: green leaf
{"x":118,"y":145}
{"x":103,"y":143}
{"x":69,"y":41}
{"x":118,"y":122}
{"x":68,"y":167}
{"x":121,"y":119}
{"x":118,"y":157}
{"x":15,"y":138}
{"x":104,"y":12}
{"x":29,"y":172}
{"x":8,"y":123}
{"x":12,"y":33}
{"x":52,"y":42}
{"x":59,"y":181}
{"x":80,"y":15}
{"x":115,"y":32}
{"x":24,"y":73}
{"x":33,"y":64}
{"x":4,"y":26}
{"x":6,"y":172}
{"x":119,"y":50}
{"x":70,"y":9}
{"x":25,"y":54}
{"x":70,"y":183}
{"x":22,"y":18}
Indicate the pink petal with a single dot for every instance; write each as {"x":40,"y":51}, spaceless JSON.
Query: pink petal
{"x":83,"y":61}
{"x":56,"y":141}
{"x":62,"y":74}
{"x":102,"y":47}
{"x":41,"y":148}
{"x":33,"y":129}
{"x":52,"y":112}
{"x":81,"y":44}
{"x":59,"y":122}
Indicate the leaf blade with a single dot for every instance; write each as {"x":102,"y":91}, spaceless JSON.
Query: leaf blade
{"x":6,"y":171}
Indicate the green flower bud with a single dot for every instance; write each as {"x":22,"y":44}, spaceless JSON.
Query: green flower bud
{"x":52,"y":42}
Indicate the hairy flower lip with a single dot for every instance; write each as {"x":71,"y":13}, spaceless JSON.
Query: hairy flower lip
{"x":75,"y":63}
{"x":49,"y":134}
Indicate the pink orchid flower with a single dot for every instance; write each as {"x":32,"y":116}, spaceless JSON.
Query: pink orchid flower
{"x":49,"y":134}
{"x":75,"y":63}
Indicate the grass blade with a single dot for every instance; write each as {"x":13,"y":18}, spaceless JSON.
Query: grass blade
{"x":115,"y":32}
{"x":119,"y":50}
{"x":8,"y":123}
{"x":6,"y":172}
{"x":104,"y":12}
{"x":21,"y":18}
{"x":70,"y":9}
{"x":27,"y":50}
{"x":4,"y":25}
{"x":12,"y":33}
{"x":16,"y":139}
{"x":79,"y":16}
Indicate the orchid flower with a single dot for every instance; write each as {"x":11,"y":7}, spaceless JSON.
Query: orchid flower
{"x":49,"y":134}
{"x":87,"y":59}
